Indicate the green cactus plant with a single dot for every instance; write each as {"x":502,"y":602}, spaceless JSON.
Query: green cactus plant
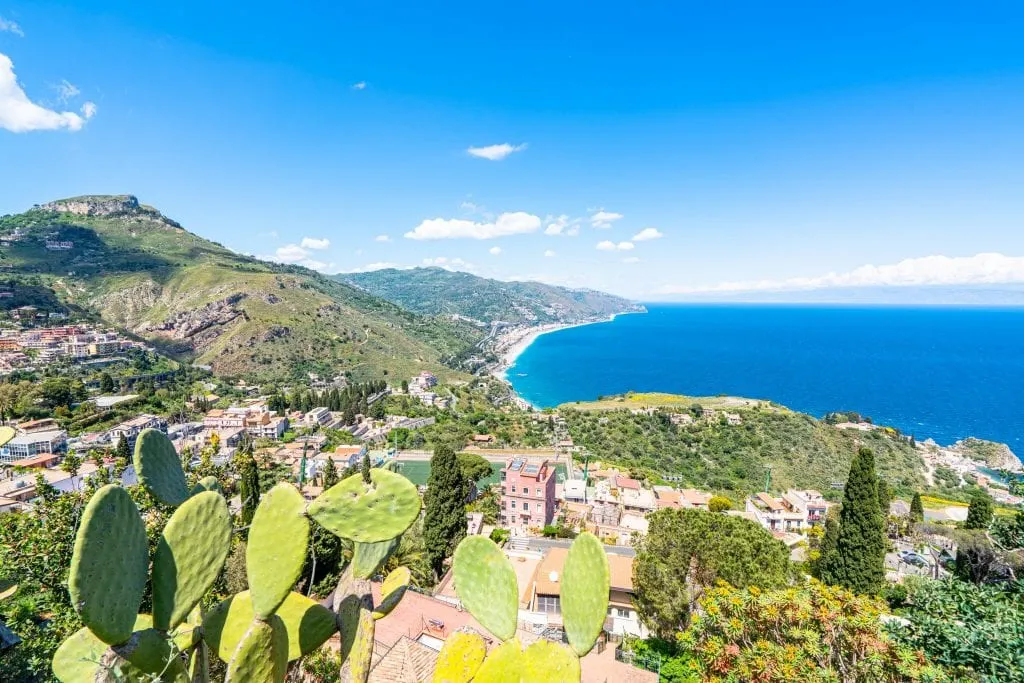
{"x":460,"y":657}
{"x":486,"y":584}
{"x":256,"y":632}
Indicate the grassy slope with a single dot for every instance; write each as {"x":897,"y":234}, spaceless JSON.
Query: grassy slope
{"x":802,"y":451}
{"x":435,"y":291}
{"x":138,"y":270}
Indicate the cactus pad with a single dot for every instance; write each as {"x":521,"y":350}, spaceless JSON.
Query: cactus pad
{"x":262,"y":656}
{"x":585,"y":583}
{"x":503,"y":665}
{"x":277,"y":547}
{"x":392,"y":591}
{"x":368,"y":558}
{"x":159,"y":467}
{"x":307,"y":623}
{"x":6,"y":434}
{"x":189,"y":556}
{"x":206,"y":484}
{"x":109,"y":565}
{"x":77,"y":658}
{"x":461,"y":656}
{"x":550,"y":662}
{"x":360,"y":657}
{"x":368,"y":513}
{"x":149,"y":652}
{"x":486,"y":584}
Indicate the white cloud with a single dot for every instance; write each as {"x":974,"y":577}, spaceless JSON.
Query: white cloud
{"x":515,"y":223}
{"x":982,"y":269}
{"x":449,"y":263}
{"x":315,"y":243}
{"x":361,"y":85}
{"x":8,"y":26}
{"x":19,"y":114}
{"x":298,"y":255}
{"x":495,"y":152}
{"x":381,"y":238}
{"x":631,"y":259}
{"x":549,"y":253}
{"x":494,"y":251}
{"x":608,"y":245}
{"x":66,"y":91}
{"x":604,"y":219}
{"x":562,"y":225}
{"x":647,"y":234}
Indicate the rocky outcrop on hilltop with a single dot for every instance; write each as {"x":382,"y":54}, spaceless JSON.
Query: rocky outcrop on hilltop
{"x":125,"y":205}
{"x":995,"y":455}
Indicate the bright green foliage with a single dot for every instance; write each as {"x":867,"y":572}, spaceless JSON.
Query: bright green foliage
{"x":307,"y":623}
{"x":810,"y":633}
{"x":262,"y":655}
{"x":77,"y":658}
{"x":368,"y":513}
{"x":976,"y":631}
{"x":979,"y":514}
{"x":392,"y":591}
{"x":858,"y":562}
{"x":486,"y":584}
{"x":276,"y":549}
{"x":110,"y":565}
{"x":368,"y":558}
{"x":550,"y":662}
{"x":460,"y":658}
{"x":699,"y":548}
{"x":503,"y":665}
{"x":444,"y":517}
{"x":585,"y":582}
{"x":474,"y":467}
{"x":719,"y":504}
{"x":916,"y":509}
{"x":189,"y":557}
{"x":159,"y":468}
{"x":206,"y":484}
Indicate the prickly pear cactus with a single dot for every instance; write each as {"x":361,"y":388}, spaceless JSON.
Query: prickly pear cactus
{"x":109,"y":565}
{"x":392,"y":591}
{"x":277,"y":547}
{"x":368,"y":558}
{"x":189,"y":557}
{"x":206,"y":484}
{"x":262,"y":655}
{"x":503,"y":665}
{"x":550,"y":662}
{"x":460,"y":658}
{"x":159,"y":468}
{"x":486,"y":584}
{"x":307,"y":623}
{"x":368,"y":513}
{"x":584,"y":600}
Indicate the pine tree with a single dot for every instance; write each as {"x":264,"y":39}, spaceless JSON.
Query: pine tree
{"x":979,"y":514}
{"x":248,"y":485}
{"x":858,"y":562}
{"x":444,"y":520}
{"x":916,"y":509}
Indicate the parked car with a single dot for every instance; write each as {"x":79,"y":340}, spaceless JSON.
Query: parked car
{"x":911,"y":557}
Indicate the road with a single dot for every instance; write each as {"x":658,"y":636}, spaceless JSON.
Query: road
{"x":542,"y":544}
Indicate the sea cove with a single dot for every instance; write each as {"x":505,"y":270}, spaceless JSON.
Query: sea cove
{"x":936,"y":372}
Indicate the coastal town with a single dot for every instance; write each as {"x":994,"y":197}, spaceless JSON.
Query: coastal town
{"x":532,"y":500}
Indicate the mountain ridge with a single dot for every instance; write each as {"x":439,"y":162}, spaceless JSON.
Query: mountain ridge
{"x":437,"y":291}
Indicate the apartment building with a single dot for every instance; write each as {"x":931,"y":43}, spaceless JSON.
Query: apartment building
{"x":130,"y":429}
{"x":527,"y":493}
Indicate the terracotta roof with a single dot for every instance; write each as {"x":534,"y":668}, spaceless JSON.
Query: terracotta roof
{"x":771,"y":503}
{"x":621,"y":568}
{"x":627,"y":483}
{"x":41,"y":460}
{"x":694,"y":497}
{"x":407,"y":662}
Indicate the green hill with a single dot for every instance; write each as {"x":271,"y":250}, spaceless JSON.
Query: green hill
{"x":111,"y":257}
{"x":436,"y":291}
{"x":637,"y":431}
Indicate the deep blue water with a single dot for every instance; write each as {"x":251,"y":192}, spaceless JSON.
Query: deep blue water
{"x":944,"y":373}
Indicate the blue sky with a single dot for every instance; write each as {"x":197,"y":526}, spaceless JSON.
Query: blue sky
{"x":754,"y":145}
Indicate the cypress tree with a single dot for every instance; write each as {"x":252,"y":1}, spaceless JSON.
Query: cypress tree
{"x":330,"y":474}
{"x":123,"y":450}
{"x":916,"y":509}
{"x":827,"y":551}
{"x":444,"y":520}
{"x":858,"y":562}
{"x":979,"y":514}
{"x":884,"y":498}
{"x":248,"y":484}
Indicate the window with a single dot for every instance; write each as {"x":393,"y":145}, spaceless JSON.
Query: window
{"x":539,"y":493}
{"x":549,"y":604}
{"x":513,"y":505}
{"x":513,"y":488}
{"x":620,"y":612}
{"x":526,"y":506}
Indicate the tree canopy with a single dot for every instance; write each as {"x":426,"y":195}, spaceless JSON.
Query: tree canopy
{"x":979,"y":514}
{"x":700,"y":547}
{"x":444,"y":518}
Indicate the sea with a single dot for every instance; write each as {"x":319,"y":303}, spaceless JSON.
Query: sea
{"x":943,"y":373}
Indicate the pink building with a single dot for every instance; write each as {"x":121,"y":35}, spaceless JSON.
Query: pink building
{"x":527,"y":493}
